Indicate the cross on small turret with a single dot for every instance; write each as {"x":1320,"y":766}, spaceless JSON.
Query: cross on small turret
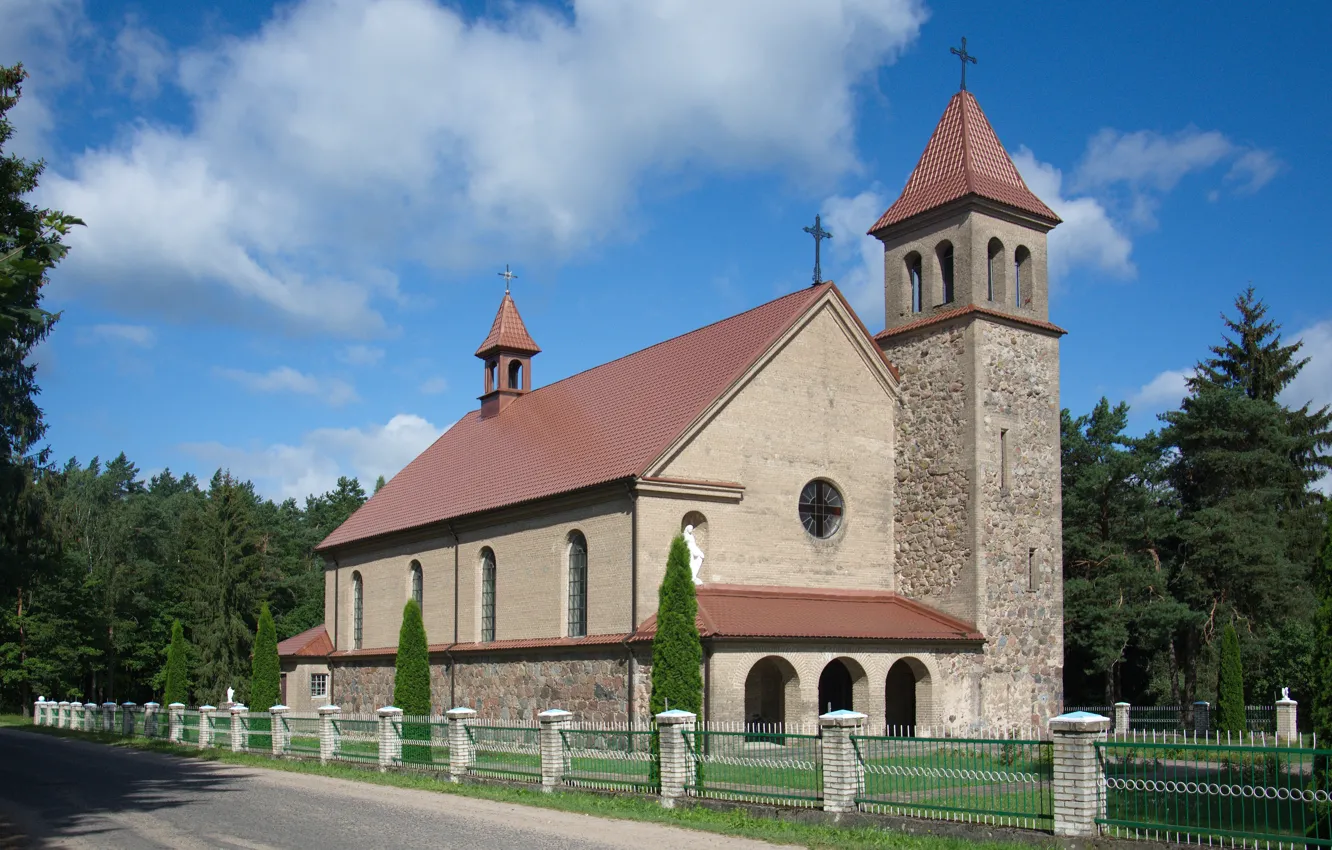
{"x":965,"y":57}
{"x":508,"y":276}
{"x":819,"y":235}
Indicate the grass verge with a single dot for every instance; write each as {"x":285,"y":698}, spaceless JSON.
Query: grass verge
{"x":737,"y":822}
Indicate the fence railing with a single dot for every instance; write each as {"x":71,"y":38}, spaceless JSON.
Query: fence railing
{"x":425,"y":742}
{"x":1198,"y":717}
{"x":1206,"y":793}
{"x":979,"y":780}
{"x":505,"y":752}
{"x":611,"y":759}
{"x":756,"y":767}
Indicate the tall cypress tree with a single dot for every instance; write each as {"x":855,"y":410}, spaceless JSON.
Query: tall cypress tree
{"x":677,"y":650}
{"x":1230,"y":715}
{"x":266,"y":672}
{"x":411,"y":683}
{"x":177,"y":671}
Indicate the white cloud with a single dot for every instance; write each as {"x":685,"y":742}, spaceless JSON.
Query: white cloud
{"x":142,"y":58}
{"x":362,"y":355}
{"x":1164,"y":392}
{"x":434,"y":386}
{"x":138,"y":335}
{"x":1088,"y":236}
{"x":312,"y":466}
{"x":40,"y":34}
{"x":342,"y":132}
{"x":284,"y":379}
{"x":1254,"y":170}
{"x":854,"y":258}
{"x":1313,"y":386}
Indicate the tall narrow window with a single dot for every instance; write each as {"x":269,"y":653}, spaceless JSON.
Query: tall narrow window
{"x":418,"y":585}
{"x":1031,"y":569}
{"x":946,"y":270}
{"x":992,"y":267}
{"x":1003,"y":458}
{"x":487,"y":595}
{"x":913,"y":277}
{"x":1022,"y":276}
{"x":515,"y":375}
{"x":492,"y":379}
{"x":577,"y":585}
{"x":358,"y":604}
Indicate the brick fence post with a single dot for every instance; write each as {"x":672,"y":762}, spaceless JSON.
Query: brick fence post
{"x":280,"y":737}
{"x":239,"y":740}
{"x":843,"y":775}
{"x":390,"y":737}
{"x":76,"y":716}
{"x":1121,"y":726}
{"x":109,"y":717}
{"x":676,"y":765}
{"x":1078,"y":776}
{"x":1287,"y":720}
{"x":176,"y":722}
{"x":150,"y":721}
{"x":127,"y":719}
{"x":38,"y":706}
{"x":460,"y":743}
{"x":63,"y":721}
{"x":553,"y":762}
{"x":206,"y":726}
{"x":91,"y":722}
{"x":328,"y":733}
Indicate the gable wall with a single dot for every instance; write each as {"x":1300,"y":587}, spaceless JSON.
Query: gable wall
{"x":815,"y":410}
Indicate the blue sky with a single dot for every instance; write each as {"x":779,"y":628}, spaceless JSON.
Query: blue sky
{"x":296,"y":213}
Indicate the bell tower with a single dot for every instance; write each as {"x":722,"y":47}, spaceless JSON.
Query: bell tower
{"x":507,"y":354}
{"x":979,"y":530}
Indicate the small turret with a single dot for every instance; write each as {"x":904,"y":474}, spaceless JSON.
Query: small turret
{"x":507,"y":353}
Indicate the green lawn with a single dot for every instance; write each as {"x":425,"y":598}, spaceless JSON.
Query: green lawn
{"x":625,"y":807}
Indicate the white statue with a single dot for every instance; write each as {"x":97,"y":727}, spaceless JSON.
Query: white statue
{"x":695,"y":553}
{"x":231,"y":696}
{"x":1285,"y":693}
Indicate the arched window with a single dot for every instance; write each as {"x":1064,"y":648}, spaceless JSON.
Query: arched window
{"x":577,"y":585}
{"x":515,"y":374}
{"x":417,"y":588}
{"x":492,"y":379}
{"x":358,"y":605}
{"x":992,"y":267}
{"x":487,"y":595}
{"x":945,"y":251}
{"x":913,"y":278}
{"x":1022,"y":276}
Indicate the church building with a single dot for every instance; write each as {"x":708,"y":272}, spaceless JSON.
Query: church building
{"x":875,"y":519}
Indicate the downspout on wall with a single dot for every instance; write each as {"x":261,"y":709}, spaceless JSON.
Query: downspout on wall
{"x":633,"y":599}
{"x":337,"y":610}
{"x":453,"y":694}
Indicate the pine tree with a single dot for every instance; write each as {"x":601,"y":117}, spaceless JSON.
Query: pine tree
{"x":677,"y":650}
{"x":177,"y":671}
{"x":1321,"y":696}
{"x":266,"y":672}
{"x":1230,"y":716}
{"x":379,"y":483}
{"x":411,"y":683}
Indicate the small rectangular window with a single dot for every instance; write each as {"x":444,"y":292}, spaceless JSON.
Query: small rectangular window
{"x":1003,"y":459}
{"x":1031,"y":569}
{"x":318,"y":684}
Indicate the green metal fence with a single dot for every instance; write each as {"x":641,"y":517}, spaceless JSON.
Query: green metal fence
{"x":756,"y":767}
{"x":611,"y":759}
{"x":258,"y":732}
{"x":189,"y":730}
{"x":1207,"y":793}
{"x":506,"y":752}
{"x":1005,"y":782}
{"x":302,"y":735}
{"x":425,"y":742}
{"x":358,"y":740}
{"x":220,"y":724}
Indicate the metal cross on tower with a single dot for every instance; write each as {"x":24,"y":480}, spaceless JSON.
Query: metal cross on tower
{"x":965,"y":57}
{"x":508,"y":276}
{"x":819,"y":235}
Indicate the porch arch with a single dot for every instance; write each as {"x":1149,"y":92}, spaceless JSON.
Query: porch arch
{"x":771,"y":687}
{"x":908,"y":698}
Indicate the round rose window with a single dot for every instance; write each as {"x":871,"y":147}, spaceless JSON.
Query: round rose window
{"x":821,"y":509}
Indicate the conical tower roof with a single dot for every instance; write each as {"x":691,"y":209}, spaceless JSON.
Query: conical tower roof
{"x":508,"y":333}
{"x":964,"y":157}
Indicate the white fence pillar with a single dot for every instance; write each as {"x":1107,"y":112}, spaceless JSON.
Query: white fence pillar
{"x":206,"y":713}
{"x":329,"y":740}
{"x":280,"y":735}
{"x":554,"y":763}
{"x":240,"y":742}
{"x":76,"y":715}
{"x":390,"y":737}
{"x":127,"y":719}
{"x":1078,"y":774}
{"x":676,"y":764}
{"x":91,"y":711}
{"x":63,"y":722}
{"x":1287,"y":720}
{"x":842,"y":773}
{"x":176,"y":722}
{"x":150,"y":719}
{"x":38,"y":708}
{"x":460,"y":742}
{"x":108,"y":717}
{"x":1122,"y":710}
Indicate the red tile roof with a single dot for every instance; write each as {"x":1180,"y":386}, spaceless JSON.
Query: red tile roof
{"x":606,"y":424}
{"x":945,"y":315}
{"x":963,"y":157}
{"x":508,"y":332}
{"x":311,"y":643}
{"x":733,"y":610}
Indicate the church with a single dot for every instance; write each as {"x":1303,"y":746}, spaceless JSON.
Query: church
{"x":875,"y":519}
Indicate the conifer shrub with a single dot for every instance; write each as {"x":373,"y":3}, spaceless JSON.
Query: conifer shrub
{"x":1230,"y":716}
{"x":677,"y":649}
{"x":411,"y":683}
{"x":265,"y":678}
{"x":1321,"y":698}
{"x":177,"y":669}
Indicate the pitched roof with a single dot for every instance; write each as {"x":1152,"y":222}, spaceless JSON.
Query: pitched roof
{"x":965,"y":310}
{"x":605,"y":424}
{"x":311,"y":643}
{"x":963,"y":157}
{"x":508,"y":332}
{"x":736,"y":611}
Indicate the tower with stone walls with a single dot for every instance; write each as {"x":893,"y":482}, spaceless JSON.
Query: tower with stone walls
{"x":978,"y":516}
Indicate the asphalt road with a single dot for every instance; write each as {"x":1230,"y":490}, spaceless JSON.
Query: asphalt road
{"x":61,"y":792}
